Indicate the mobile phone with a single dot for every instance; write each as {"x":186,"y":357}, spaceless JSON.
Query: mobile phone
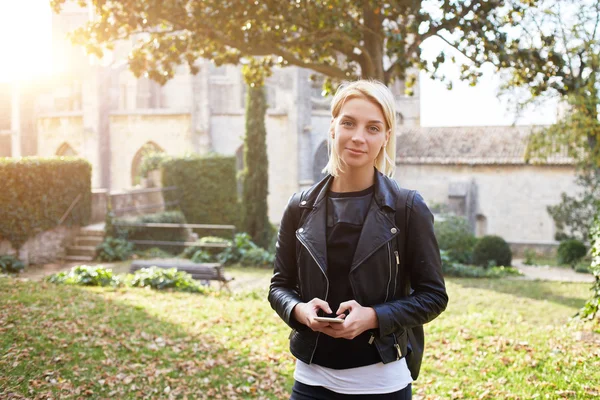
{"x":330,"y":320}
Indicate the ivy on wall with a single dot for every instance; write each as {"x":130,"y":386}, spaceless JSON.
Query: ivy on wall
{"x":36,"y":192}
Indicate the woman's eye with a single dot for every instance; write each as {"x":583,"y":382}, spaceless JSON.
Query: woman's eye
{"x":347,"y":123}
{"x":374,"y":129}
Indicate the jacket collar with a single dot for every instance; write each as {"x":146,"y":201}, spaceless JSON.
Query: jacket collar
{"x":378,"y":227}
{"x":385,"y":192}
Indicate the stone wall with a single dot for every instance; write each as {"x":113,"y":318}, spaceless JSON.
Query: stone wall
{"x":511,"y":199}
{"x":45,"y":247}
{"x":129,"y":131}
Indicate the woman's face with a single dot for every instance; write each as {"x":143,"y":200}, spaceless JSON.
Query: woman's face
{"x":359,"y":132}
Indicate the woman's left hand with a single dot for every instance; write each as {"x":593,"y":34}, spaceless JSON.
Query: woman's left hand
{"x":359,"y":320}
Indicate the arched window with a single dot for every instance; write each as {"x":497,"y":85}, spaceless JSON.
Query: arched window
{"x":320,"y":161}
{"x":65,"y":150}
{"x":136,"y":164}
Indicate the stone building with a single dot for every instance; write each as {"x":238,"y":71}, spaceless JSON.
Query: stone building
{"x":100,"y":111}
{"x":482,"y":173}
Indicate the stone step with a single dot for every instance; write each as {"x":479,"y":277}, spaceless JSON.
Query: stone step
{"x":78,"y":258}
{"x":91,"y":232}
{"x":88,"y":240}
{"x":89,"y":251}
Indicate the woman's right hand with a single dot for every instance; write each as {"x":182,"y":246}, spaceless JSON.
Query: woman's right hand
{"x":305,"y":313}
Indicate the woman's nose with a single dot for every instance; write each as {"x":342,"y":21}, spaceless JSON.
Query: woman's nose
{"x":358,"y":136}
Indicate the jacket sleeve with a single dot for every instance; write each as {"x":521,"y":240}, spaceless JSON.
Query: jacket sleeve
{"x":283,"y":291}
{"x":428,"y":298}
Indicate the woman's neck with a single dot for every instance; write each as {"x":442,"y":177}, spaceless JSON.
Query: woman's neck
{"x":353,"y":180}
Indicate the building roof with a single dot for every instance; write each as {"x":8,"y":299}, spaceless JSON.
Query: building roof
{"x":470,"y":145}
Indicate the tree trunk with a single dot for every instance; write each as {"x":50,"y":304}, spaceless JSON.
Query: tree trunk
{"x":374,"y":45}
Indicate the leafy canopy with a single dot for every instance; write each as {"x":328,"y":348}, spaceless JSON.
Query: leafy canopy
{"x":340,"y":39}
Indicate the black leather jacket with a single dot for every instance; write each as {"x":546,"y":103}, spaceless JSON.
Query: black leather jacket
{"x":300,"y":271}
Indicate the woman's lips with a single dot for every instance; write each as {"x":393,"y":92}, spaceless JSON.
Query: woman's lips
{"x":354,"y":151}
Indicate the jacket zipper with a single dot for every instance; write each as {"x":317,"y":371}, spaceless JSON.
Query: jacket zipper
{"x":326,"y":292}
{"x":397,"y":268}
{"x":390,"y":280}
{"x":372,"y":338}
{"x":397,"y":346}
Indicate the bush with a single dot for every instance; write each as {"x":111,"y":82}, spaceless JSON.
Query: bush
{"x":156,"y":234}
{"x":154,"y":278}
{"x":202,"y":256}
{"x":492,"y":251}
{"x":36,"y":193}
{"x":529,"y":257}
{"x":152,"y":161}
{"x":207,"y":188}
{"x":153,"y":252}
{"x":160,"y":279}
{"x":114,"y":249}
{"x":454,"y":235}
{"x":10,"y":265}
{"x":86,"y":276}
{"x":241,"y":244}
{"x":470,"y":271}
{"x":257,"y":257}
{"x":570,"y":252}
{"x":583,"y":269}
{"x":591,"y":309}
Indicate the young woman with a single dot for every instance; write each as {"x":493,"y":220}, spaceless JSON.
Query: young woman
{"x":337,"y":256}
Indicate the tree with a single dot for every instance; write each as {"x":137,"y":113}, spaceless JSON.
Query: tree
{"x":554,"y":52}
{"x":255,"y":172}
{"x":574,"y":215}
{"x":340,"y":39}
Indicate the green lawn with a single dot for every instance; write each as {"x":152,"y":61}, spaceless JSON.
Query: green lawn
{"x":499,"y":339}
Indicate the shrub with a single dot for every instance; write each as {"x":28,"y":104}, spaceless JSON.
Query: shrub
{"x":591,"y":309}
{"x":10,"y":264}
{"x":491,"y":251}
{"x":202,"y":256}
{"x":570,"y":252}
{"x":160,"y":279}
{"x":583,"y":268}
{"x":470,"y":271}
{"x":207,"y":188}
{"x":529,"y":257}
{"x":156,"y":234}
{"x":154,"y":278}
{"x":114,"y":249}
{"x":241,"y":244}
{"x":36,"y":193}
{"x":152,"y":161}
{"x":153,"y":252}
{"x":85,"y":275}
{"x":454,"y":235}
{"x":257,"y":257}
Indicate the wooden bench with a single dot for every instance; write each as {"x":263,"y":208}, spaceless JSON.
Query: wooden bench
{"x":198,"y":271}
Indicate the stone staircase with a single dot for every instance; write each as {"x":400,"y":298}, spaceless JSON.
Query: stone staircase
{"x":84,"y":247}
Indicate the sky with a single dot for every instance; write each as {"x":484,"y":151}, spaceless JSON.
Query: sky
{"x":25,"y":42}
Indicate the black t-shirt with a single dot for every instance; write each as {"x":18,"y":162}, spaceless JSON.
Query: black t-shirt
{"x":346,"y":214}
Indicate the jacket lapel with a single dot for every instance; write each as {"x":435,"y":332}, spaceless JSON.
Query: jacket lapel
{"x":377,"y":230}
{"x":313,"y":232}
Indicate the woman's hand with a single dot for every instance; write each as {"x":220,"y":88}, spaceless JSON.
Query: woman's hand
{"x":305,"y":313}
{"x":359,"y":320}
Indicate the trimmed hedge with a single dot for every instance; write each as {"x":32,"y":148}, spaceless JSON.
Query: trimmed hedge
{"x":36,"y":192}
{"x":454,"y":235}
{"x":157,"y":234}
{"x":571,"y":251}
{"x":491,"y":251}
{"x":207,"y":188}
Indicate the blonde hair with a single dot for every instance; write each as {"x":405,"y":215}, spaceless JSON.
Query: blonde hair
{"x":379,"y":94}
